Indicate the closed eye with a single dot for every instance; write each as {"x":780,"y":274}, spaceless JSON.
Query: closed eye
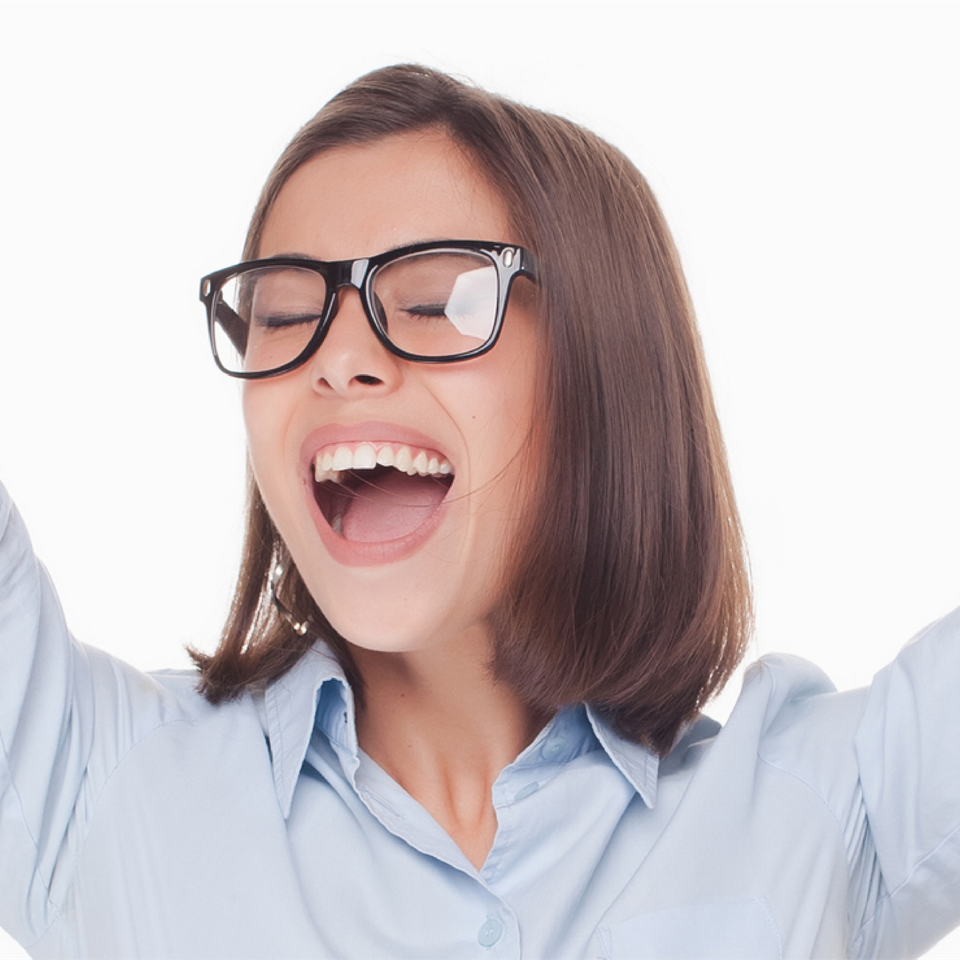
{"x":279,"y":321}
{"x":426,"y":311}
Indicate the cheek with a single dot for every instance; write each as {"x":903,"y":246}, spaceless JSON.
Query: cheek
{"x":511,"y":406}
{"x":254,"y":422}
{"x":502,"y":444}
{"x":524,"y":423}
{"x":266,"y":424}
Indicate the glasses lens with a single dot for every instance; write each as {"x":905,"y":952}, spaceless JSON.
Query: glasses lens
{"x":264,"y":318}
{"x":439,"y":303}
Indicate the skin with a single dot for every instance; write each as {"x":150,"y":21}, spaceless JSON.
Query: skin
{"x":435,"y":720}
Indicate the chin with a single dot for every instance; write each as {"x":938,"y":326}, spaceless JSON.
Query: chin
{"x":379,"y":625}
{"x":418,"y":603}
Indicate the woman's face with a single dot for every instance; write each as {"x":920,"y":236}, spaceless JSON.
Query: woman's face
{"x":395,"y":562}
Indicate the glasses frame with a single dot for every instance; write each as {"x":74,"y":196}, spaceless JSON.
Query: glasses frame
{"x":509,"y":259}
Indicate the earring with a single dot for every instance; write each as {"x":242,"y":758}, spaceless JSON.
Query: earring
{"x":299,"y":626}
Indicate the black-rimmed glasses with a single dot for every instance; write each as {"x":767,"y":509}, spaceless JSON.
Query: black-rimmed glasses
{"x":432,"y":303}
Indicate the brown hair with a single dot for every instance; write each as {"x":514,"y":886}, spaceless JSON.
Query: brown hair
{"x":627,"y":587}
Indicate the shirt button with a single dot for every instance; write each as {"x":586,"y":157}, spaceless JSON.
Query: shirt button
{"x":552,"y":748}
{"x":525,"y":792}
{"x":490,"y":932}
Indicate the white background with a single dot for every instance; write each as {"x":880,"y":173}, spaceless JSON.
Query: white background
{"x":806,"y":156}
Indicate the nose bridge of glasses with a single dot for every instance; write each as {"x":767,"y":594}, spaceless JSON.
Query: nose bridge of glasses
{"x":348,"y":273}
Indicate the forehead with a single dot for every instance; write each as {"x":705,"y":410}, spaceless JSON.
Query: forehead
{"x":358,"y":201}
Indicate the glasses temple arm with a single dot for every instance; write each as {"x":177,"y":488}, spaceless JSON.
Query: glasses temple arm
{"x":233,"y":326}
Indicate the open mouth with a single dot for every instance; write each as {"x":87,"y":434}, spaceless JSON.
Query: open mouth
{"x":374,"y":493}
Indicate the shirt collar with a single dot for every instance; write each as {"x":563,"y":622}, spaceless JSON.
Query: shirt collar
{"x":315,"y":692}
{"x":637,"y":763}
{"x":291,"y":707}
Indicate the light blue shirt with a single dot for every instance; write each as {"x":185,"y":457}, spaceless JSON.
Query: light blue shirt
{"x":137,"y":820}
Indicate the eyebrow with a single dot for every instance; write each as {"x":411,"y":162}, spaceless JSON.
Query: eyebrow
{"x":297,"y":255}
{"x":288,"y":255}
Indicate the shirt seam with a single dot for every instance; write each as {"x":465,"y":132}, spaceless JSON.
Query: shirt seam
{"x":833,"y":816}
{"x":768,"y":910}
{"x":93,"y":815}
{"x":38,"y":871}
{"x":890,"y":895}
{"x":279,"y":755}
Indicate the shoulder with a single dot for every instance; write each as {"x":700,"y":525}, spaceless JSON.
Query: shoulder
{"x":161,"y":713}
{"x":789,"y":725}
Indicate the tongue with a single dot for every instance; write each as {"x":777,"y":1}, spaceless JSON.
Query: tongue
{"x":391,"y":507}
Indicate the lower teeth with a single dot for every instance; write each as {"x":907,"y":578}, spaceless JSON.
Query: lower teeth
{"x":337,"y":525}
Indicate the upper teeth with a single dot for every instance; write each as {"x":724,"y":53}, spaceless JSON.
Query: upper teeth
{"x":330,"y":463}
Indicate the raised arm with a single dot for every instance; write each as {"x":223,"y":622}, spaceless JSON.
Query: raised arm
{"x":908,"y":750}
{"x":45,"y":733}
{"x":68,"y":715}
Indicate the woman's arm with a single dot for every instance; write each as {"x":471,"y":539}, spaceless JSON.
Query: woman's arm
{"x":68,"y":715}
{"x":908,"y":747}
{"x":45,"y":734}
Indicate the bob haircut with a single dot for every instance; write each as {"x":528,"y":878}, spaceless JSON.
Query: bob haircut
{"x":627,"y":584}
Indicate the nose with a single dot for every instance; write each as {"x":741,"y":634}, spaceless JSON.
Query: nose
{"x":351,"y":361}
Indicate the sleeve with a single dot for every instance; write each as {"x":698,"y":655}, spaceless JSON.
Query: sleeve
{"x":44,"y":742}
{"x":69,"y":715}
{"x":908,"y":754}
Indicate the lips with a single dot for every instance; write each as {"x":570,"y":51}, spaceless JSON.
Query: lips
{"x":377,"y":491}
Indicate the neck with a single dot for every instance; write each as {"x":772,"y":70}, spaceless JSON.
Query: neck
{"x":438,"y":723}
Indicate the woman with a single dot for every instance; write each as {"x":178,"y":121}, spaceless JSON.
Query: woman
{"x":492,"y":571}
